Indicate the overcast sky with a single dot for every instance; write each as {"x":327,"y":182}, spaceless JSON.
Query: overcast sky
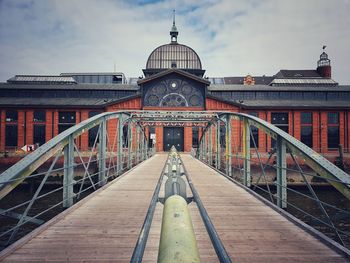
{"x":232,"y":37}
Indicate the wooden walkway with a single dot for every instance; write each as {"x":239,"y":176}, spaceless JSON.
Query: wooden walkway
{"x":250,"y":230}
{"x":102,"y":227}
{"x":106,"y":225}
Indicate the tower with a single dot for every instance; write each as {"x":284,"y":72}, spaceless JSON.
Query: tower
{"x":173,"y":31}
{"x":324,"y":65}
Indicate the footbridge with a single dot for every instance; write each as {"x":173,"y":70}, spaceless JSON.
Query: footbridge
{"x":226,"y":201}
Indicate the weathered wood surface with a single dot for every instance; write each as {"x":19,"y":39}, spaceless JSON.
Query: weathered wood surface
{"x":105,"y":227}
{"x":250,"y":230}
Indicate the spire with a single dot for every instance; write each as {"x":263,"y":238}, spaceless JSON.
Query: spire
{"x":324,"y":60}
{"x":173,"y":31}
{"x":324,"y":65}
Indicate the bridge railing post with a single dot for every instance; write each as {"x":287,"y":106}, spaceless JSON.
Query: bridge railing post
{"x":130,"y":157}
{"x":120,"y":144}
{"x":281,"y":167}
{"x":102,"y":153}
{"x":204,"y":148}
{"x":246,"y":153}
{"x":218,"y":147}
{"x":142,"y":144}
{"x":68,"y":173}
{"x":145,"y":148}
{"x":228,"y":146}
{"x":210,"y":145}
{"x":137,"y":143}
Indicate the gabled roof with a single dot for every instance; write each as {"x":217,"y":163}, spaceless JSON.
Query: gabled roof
{"x":304,"y":81}
{"x":257,"y":104}
{"x":59,"y":86}
{"x":173,"y":70}
{"x":248,"y":88}
{"x":19,"y":102}
{"x":42,"y":79}
{"x":298,"y":73}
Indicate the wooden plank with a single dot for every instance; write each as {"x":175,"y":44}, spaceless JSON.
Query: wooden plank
{"x":250,"y":230}
{"x":105,"y":225}
{"x":104,"y":228}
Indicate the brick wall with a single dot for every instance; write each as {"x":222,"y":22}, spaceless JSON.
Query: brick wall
{"x":187,"y":139}
{"x":159,"y":139}
{"x":25,"y":132}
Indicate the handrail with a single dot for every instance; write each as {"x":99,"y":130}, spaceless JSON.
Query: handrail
{"x":26,"y":166}
{"x":177,"y":239}
{"x":237,"y":163}
{"x":316,"y":161}
{"x":214,"y":237}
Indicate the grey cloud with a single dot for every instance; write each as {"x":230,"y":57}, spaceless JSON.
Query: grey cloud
{"x":231,"y":37}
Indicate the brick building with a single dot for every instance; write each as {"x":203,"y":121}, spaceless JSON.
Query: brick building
{"x":308,"y":104}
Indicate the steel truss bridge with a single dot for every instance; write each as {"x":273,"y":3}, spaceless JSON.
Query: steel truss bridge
{"x":230,"y":201}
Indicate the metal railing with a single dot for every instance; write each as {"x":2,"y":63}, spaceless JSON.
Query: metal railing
{"x":62,"y":171}
{"x":291,"y":176}
{"x":178,"y":239}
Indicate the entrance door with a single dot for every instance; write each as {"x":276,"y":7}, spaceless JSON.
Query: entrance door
{"x":173,"y":136}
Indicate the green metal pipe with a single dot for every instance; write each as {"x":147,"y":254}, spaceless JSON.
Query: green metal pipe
{"x":177,"y":241}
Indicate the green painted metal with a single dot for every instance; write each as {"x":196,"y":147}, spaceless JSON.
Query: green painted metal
{"x":210,"y":145}
{"x":229,"y":145}
{"x":281,"y":153}
{"x":336,"y":177}
{"x":120,"y":143}
{"x":13,"y":176}
{"x":246,"y":153}
{"x":68,"y":182}
{"x":177,"y":241}
{"x":130,"y":146}
{"x":218,"y":146}
{"x":29,"y":164}
{"x":102,"y":153}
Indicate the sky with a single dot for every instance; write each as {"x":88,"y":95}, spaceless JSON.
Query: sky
{"x":232,"y":37}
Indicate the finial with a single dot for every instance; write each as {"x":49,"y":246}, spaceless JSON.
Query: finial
{"x":324,"y":47}
{"x":173,"y":31}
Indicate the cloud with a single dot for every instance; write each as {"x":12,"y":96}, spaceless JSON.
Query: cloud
{"x":231,"y":37}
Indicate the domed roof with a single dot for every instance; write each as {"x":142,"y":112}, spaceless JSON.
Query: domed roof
{"x":173,"y":55}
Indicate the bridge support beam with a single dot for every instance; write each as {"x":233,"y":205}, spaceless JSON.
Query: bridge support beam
{"x":228,"y":146}
{"x":138,"y":148}
{"x":120,"y":144}
{"x":130,"y":157}
{"x":218,"y":148}
{"x":68,"y":182}
{"x":246,"y":153}
{"x":204,"y":147}
{"x":210,"y":146}
{"x":102,"y":154}
{"x":281,"y":172}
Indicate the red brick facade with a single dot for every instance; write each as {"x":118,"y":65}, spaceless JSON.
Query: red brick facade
{"x":319,"y":125}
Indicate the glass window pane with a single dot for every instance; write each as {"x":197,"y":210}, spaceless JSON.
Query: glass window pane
{"x":11,"y":115}
{"x":39,"y":134}
{"x":195,"y":137}
{"x":94,"y":113}
{"x":333,"y":137}
{"x":39,"y":116}
{"x":66,"y":117}
{"x":11,"y":135}
{"x":279,"y":118}
{"x":333,"y":118}
{"x":223,"y":136}
{"x":306,"y":135}
{"x":306,"y":118}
